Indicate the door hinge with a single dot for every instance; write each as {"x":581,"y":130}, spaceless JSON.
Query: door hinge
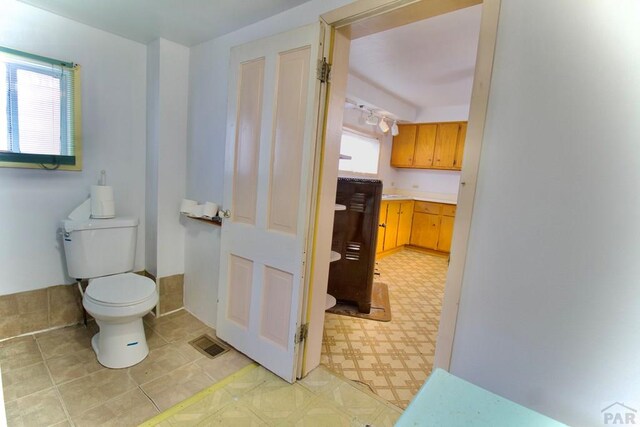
{"x":324,"y":70}
{"x":301,"y":333}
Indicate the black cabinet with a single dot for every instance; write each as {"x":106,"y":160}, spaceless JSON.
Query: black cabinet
{"x":355,"y":231}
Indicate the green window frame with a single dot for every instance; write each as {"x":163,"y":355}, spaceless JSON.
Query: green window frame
{"x":62,"y":119}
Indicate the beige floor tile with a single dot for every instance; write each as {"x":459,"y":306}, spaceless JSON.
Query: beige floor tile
{"x":355,"y":402}
{"x":236,"y":415}
{"x":18,"y":353}
{"x":224,"y":365}
{"x":95,"y":389}
{"x":275,"y":401}
{"x":198,"y":412}
{"x":159,"y":362}
{"x":249,"y":382}
{"x":154,"y":340}
{"x":24,"y":381}
{"x":129,"y":409}
{"x":73,"y":366}
{"x":61,"y":342}
{"x":43,"y":408}
{"x":176,"y":386}
{"x":319,"y":413}
{"x":319,"y":380}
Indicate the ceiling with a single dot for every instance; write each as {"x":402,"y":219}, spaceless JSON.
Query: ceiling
{"x":428,"y":64}
{"x":188,"y":22}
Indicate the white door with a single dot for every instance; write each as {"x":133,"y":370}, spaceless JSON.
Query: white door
{"x":270,"y":152}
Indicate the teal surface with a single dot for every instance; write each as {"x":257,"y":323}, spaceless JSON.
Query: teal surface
{"x":446,"y":400}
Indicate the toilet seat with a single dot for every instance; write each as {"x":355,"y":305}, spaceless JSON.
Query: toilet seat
{"x":120,"y":290}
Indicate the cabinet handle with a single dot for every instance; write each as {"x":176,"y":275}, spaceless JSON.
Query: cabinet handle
{"x":382,"y":225}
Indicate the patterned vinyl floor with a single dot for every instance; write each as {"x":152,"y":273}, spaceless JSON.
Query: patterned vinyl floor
{"x":393,"y":358}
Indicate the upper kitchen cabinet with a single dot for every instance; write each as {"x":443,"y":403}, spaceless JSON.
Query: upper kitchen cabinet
{"x":429,"y":146}
{"x":404,"y":145}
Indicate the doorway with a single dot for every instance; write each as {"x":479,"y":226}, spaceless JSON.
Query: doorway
{"x":442,"y":329}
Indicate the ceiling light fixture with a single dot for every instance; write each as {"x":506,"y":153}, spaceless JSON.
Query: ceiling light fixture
{"x":394,"y":128}
{"x":383,"y":125}
{"x":371,"y":119}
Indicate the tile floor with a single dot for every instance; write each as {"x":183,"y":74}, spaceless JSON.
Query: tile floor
{"x":393,"y":358}
{"x":257,"y":397}
{"x":53,"y":378}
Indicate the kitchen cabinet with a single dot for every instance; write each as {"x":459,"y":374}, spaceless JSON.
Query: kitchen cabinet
{"x":404,"y":223}
{"x":429,"y":146}
{"x":425,"y":230}
{"x":391,"y":229}
{"x":404,"y":146}
{"x":433,"y":226}
{"x":394,"y":230}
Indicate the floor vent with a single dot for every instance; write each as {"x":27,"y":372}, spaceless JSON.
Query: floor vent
{"x":208,"y":346}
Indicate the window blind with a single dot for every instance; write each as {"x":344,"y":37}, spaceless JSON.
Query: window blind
{"x":38,"y":117}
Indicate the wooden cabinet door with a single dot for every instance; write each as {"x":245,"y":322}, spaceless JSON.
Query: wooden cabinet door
{"x":446,"y":233}
{"x":444,"y":152}
{"x":391,"y":231}
{"x":425,"y":230}
{"x":381,"y":229}
{"x":404,"y":226}
{"x":462,"y":136}
{"x":425,"y":144}
{"x":403,"y":147}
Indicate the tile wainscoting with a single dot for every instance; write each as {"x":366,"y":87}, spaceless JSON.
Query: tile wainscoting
{"x":61,"y":305}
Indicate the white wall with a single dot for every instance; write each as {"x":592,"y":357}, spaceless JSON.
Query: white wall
{"x":550,"y":308}
{"x":172,"y":155}
{"x":32,"y":202}
{"x":208,"y":70}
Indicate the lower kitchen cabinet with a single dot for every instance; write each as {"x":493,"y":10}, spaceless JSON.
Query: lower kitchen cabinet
{"x":425,"y":230}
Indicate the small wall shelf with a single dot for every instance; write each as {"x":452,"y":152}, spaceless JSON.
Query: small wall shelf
{"x":213,"y":221}
{"x":335,"y":256}
{"x":340,"y":208}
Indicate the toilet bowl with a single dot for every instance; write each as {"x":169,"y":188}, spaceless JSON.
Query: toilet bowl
{"x":118,"y":303}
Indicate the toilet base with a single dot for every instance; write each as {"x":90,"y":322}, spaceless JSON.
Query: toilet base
{"x":120,"y":345}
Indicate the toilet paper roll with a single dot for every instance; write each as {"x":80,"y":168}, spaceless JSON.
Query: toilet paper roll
{"x":102,"y":203}
{"x":209,"y":210}
{"x":197,"y":211}
{"x":187,"y":206}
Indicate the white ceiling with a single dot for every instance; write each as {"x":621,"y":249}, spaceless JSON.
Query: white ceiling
{"x":428,"y":64}
{"x":188,"y":22}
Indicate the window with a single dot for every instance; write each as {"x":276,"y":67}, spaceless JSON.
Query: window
{"x":39,"y":112}
{"x":363,"y":150}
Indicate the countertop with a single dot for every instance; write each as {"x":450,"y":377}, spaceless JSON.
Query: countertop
{"x":436,"y":199}
{"x":446,"y":400}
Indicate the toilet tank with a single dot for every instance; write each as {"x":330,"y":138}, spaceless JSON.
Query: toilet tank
{"x":99,"y":247}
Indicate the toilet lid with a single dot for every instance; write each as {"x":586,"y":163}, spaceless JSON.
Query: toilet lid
{"x":121,"y":289}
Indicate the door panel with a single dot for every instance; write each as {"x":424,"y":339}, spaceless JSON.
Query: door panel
{"x":278,"y":287}
{"x":248,"y":140}
{"x":270,"y":158}
{"x":241,"y":274}
{"x":291,"y":97}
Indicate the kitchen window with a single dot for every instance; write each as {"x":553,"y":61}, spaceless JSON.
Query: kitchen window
{"x":363,"y":151}
{"x":39,"y":112}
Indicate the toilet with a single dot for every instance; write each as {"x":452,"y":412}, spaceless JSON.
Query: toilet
{"x":103,"y":251}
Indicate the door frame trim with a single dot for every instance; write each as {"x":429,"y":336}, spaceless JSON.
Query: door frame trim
{"x":364,"y":17}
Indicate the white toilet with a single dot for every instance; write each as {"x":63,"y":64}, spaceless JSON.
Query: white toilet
{"x":103,"y":251}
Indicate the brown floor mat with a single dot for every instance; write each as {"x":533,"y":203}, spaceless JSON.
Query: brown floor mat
{"x":380,"y":306}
